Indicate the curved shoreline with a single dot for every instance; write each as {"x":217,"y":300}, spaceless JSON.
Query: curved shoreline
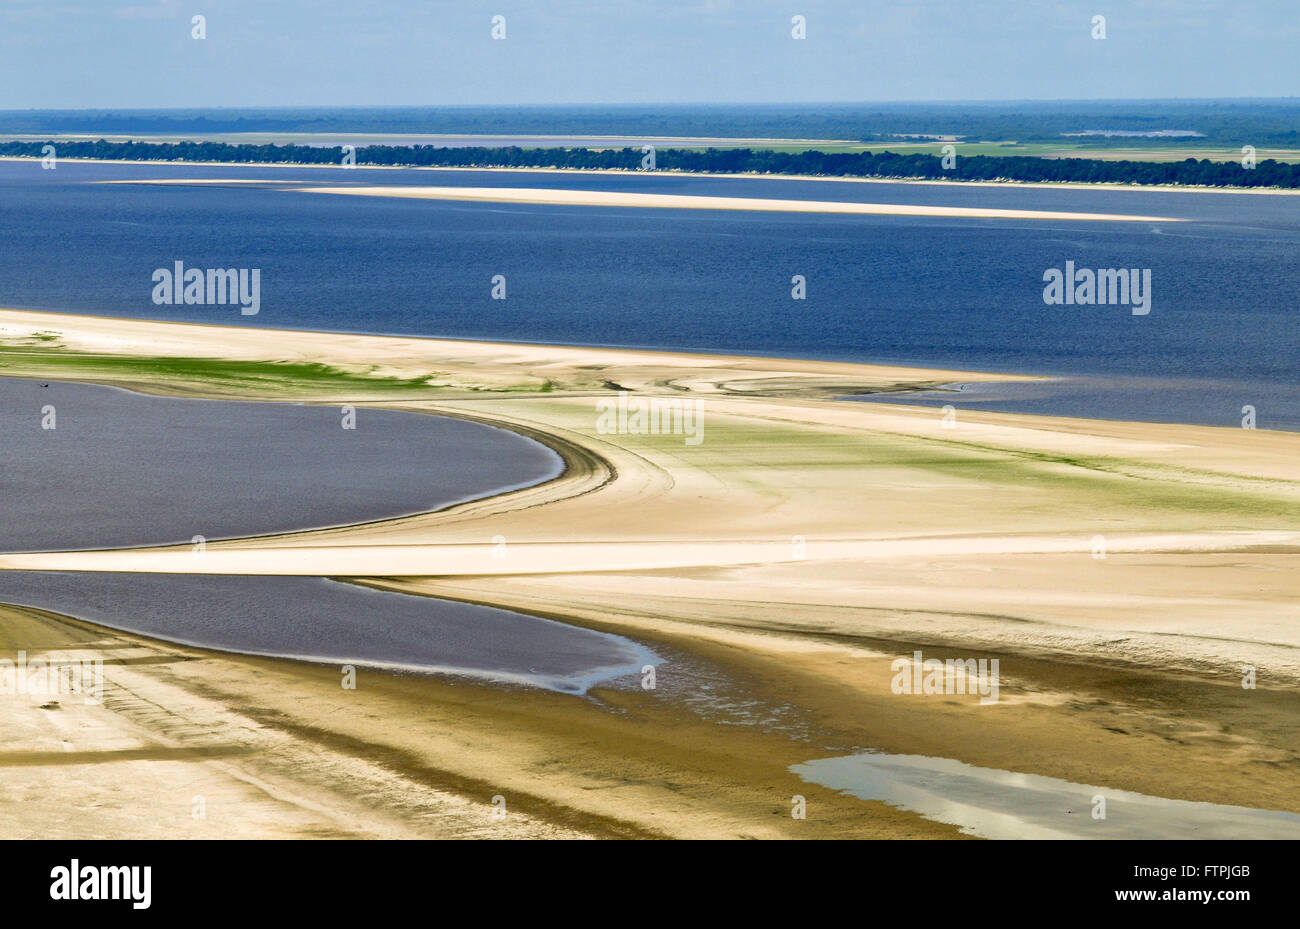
{"x":326,"y":621}
{"x":580,"y":469}
{"x":174,"y":461}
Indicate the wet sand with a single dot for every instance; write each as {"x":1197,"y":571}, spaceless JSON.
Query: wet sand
{"x":994,"y":804}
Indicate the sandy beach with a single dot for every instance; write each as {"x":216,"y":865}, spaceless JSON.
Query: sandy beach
{"x":1122,"y":573}
{"x":688,"y":202}
{"x":607,"y":198}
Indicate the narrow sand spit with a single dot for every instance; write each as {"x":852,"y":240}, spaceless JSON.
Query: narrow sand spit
{"x":618,"y":172}
{"x":1123,"y":573}
{"x":608,"y":198}
{"x":684,"y":202}
{"x":300,"y":558}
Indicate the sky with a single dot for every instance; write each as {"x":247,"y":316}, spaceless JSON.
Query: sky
{"x":141,"y":53}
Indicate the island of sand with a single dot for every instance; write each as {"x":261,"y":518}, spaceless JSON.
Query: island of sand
{"x":779,"y":551}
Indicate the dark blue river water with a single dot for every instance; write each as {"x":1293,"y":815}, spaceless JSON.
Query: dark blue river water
{"x":962,"y":293}
{"x":123,"y":469}
{"x":321,"y":620}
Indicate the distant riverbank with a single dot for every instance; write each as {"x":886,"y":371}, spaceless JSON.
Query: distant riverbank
{"x":945,"y":164}
{"x":621,"y":172}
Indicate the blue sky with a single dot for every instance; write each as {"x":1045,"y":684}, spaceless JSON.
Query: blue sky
{"x":139,"y":53}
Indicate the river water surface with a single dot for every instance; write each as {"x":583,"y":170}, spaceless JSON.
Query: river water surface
{"x":958,"y":293}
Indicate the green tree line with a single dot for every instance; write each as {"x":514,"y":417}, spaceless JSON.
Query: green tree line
{"x":1190,"y":172}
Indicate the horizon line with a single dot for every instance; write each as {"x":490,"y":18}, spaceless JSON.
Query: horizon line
{"x":703,"y":104}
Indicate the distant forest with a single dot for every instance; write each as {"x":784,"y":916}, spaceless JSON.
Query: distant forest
{"x":1190,"y":172}
{"x":1226,"y":123}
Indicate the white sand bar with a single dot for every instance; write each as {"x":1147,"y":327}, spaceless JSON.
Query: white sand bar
{"x":679,"y":202}
{"x":481,"y":559}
